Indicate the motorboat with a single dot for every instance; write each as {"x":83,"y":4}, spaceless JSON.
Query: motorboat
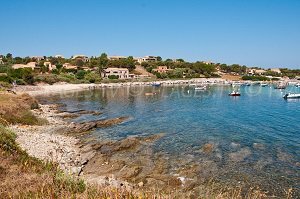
{"x":297,"y":85}
{"x":200,"y":88}
{"x":234,"y":93}
{"x":291,"y":96}
{"x":156,"y":84}
{"x":263,"y":84}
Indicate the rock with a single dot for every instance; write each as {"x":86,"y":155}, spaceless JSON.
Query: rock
{"x":208,"y":148}
{"x":240,"y":155}
{"x":140,"y":184}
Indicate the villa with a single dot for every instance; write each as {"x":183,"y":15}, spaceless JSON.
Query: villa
{"x":81,"y":57}
{"x":31,"y":65}
{"x":276,"y":70}
{"x":69,"y":66}
{"x":49,"y":65}
{"x":122,"y":73}
{"x":116,"y":57}
{"x":147,"y":59}
{"x":37,"y":58}
{"x":162,"y":69}
{"x":59,"y":56}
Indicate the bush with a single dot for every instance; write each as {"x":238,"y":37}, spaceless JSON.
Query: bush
{"x":92,"y":77}
{"x":49,"y":79}
{"x":80,"y":74}
{"x":255,"y":78}
{"x":113,"y":77}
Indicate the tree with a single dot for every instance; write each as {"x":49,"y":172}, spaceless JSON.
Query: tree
{"x":79,"y":63}
{"x":159,"y":58}
{"x":9,"y":56}
{"x":103,"y":61}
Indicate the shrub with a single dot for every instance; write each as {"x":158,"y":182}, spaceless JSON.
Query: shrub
{"x":80,"y":74}
{"x":113,"y":77}
{"x":255,"y":78}
{"x":92,"y":77}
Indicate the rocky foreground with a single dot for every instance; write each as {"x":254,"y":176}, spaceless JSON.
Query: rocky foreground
{"x":126,"y":163}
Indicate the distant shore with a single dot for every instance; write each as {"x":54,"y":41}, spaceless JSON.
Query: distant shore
{"x":44,"y":89}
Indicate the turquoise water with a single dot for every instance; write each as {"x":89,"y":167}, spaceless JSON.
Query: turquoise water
{"x":255,"y":137}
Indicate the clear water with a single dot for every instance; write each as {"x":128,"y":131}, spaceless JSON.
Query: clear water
{"x":255,"y":137}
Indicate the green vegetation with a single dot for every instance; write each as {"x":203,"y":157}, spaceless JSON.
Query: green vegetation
{"x":256,"y":78}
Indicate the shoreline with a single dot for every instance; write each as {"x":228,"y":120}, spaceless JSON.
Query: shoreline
{"x":50,"y":144}
{"x":45,"y":89}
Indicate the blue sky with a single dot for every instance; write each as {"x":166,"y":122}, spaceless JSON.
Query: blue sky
{"x":262,"y":33}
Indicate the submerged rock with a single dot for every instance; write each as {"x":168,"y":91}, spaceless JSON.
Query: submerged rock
{"x":87,"y":126}
{"x":240,"y":155}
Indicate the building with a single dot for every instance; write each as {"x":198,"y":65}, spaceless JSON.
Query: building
{"x":149,"y":58}
{"x":161,"y":69}
{"x":256,"y":71}
{"x":1,"y":61}
{"x":276,"y":70}
{"x":37,"y":58}
{"x":81,"y":57}
{"x":49,"y":65}
{"x":59,"y":56}
{"x":116,"y":57}
{"x":69,"y":66}
{"x":122,"y":73}
{"x":17,"y":66}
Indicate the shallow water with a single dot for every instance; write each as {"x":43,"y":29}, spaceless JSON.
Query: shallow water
{"x":253,"y":139}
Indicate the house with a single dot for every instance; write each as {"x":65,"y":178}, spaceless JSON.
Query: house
{"x":81,"y":57}
{"x":149,"y":58}
{"x":59,"y":56}
{"x":69,"y":66}
{"x":161,"y":69}
{"x":17,"y":66}
{"x":122,"y":73}
{"x":256,"y":71}
{"x":276,"y":70}
{"x":116,"y":57}
{"x":49,"y":65}
{"x":1,"y":61}
{"x":37,"y":58}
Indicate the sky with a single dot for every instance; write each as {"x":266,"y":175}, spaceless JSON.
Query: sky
{"x":263,"y":33}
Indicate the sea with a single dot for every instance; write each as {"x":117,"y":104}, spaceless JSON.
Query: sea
{"x":250,"y":139}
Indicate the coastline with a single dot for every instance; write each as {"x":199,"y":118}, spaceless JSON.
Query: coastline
{"x":45,"y":89}
{"x":72,"y":153}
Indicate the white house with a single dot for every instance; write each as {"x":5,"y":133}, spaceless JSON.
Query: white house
{"x":81,"y":57}
{"x":49,"y":65}
{"x":59,"y":56}
{"x":122,"y":73}
{"x":116,"y":57}
{"x":69,"y":66}
{"x":148,"y":58}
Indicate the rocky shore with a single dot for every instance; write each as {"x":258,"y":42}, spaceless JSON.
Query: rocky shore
{"x":128,"y":163}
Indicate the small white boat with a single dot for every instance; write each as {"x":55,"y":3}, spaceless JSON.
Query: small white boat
{"x":263,"y":84}
{"x":234,"y":93}
{"x":156,"y":84}
{"x":200,"y":88}
{"x":291,"y":96}
{"x":297,"y":85}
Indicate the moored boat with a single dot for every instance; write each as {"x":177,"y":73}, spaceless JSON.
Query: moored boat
{"x":297,"y":85}
{"x":156,"y":84}
{"x":234,"y":93}
{"x":200,"y":88}
{"x":291,"y":96}
{"x":263,"y":84}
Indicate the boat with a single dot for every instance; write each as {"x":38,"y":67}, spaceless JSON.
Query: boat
{"x":263,"y":84}
{"x":234,"y":93}
{"x":156,"y":84}
{"x":291,"y":96}
{"x":200,"y":88}
{"x":297,"y":85}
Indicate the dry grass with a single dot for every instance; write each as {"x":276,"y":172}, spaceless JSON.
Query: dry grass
{"x":231,"y":77}
{"x":16,"y":109}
